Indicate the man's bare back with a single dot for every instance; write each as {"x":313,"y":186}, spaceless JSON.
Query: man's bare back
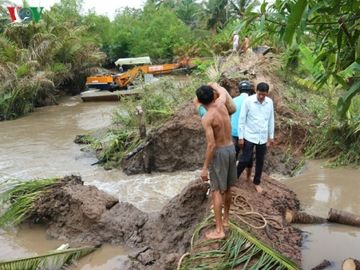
{"x":217,"y":118}
{"x":220,"y":154}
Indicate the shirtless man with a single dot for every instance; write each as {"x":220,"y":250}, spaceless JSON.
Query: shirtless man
{"x":245,"y":45}
{"x":220,"y":158}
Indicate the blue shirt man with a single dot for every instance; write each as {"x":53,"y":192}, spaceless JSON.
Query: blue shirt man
{"x":201,"y":110}
{"x":244,"y":89}
{"x":235,"y":116}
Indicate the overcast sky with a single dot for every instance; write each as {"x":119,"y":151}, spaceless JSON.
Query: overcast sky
{"x":104,"y":7}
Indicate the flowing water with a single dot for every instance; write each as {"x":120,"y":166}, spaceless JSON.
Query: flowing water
{"x":41,"y":145}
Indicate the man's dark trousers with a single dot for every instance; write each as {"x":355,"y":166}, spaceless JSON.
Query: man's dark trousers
{"x":246,"y":158}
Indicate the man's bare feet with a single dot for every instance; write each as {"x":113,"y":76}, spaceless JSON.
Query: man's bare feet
{"x":213,"y":235}
{"x":258,"y":188}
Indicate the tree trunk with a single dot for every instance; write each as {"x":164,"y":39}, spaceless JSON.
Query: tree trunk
{"x":302,"y":218}
{"x":343,"y":217}
{"x":351,"y":264}
{"x":322,"y":265}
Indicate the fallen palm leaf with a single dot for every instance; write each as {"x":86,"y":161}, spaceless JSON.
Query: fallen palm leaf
{"x":20,"y":198}
{"x":54,"y":260}
{"x":240,"y":249}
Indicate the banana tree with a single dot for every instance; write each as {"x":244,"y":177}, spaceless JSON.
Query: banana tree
{"x":330,"y":29}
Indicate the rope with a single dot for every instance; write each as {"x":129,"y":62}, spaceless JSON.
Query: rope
{"x":276,"y":224}
{"x":252,"y":216}
{"x":181,"y":259}
{"x":242,"y":203}
{"x":243,"y":211}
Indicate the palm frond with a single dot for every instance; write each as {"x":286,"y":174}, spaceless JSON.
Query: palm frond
{"x":20,"y":197}
{"x":214,"y":71}
{"x":240,"y":248}
{"x":53,"y":260}
{"x":7,"y":74}
{"x":19,"y":33}
{"x":41,"y":46}
{"x":8,"y":50}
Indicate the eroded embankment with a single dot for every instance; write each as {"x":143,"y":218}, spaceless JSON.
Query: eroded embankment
{"x":83,"y":214}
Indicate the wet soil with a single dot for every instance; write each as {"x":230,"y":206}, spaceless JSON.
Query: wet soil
{"x":82,"y":214}
{"x":272,"y":203}
{"x":178,"y":145}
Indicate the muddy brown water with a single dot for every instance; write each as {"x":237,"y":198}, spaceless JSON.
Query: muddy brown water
{"x":41,"y":145}
{"x":320,"y":188}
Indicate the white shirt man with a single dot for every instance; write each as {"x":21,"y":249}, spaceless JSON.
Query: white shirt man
{"x":235,"y":42}
{"x":256,"y":129}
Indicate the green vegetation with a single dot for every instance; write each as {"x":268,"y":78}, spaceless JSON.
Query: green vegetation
{"x":163,"y":34}
{"x":239,"y":249}
{"x":159,"y":101}
{"x":38,"y":60}
{"x":53,"y":260}
{"x":18,"y":198}
{"x":328,"y":137}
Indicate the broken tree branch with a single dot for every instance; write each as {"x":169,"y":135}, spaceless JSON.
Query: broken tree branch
{"x":351,"y":264}
{"x":302,"y":218}
{"x":343,"y":217}
{"x":322,"y":265}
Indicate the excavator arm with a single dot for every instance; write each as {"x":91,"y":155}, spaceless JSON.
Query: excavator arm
{"x":123,"y":80}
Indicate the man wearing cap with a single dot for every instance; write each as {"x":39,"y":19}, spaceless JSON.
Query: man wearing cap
{"x":244,"y":89}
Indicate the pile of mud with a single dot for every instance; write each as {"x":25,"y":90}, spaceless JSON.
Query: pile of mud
{"x":82,"y":214}
{"x":273,"y":203}
{"x":179,"y":144}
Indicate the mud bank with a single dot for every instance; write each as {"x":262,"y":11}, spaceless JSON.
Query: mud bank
{"x":177,"y":145}
{"x":82,"y":214}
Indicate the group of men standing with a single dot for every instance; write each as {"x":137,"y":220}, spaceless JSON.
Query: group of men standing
{"x":250,"y":126}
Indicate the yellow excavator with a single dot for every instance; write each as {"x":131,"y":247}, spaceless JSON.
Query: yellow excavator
{"x":113,"y":82}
